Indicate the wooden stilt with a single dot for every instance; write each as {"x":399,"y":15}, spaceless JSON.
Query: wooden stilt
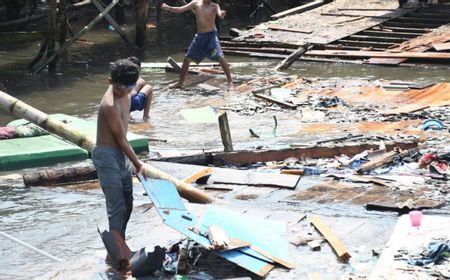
{"x":62,"y":21}
{"x":141,"y":20}
{"x":51,"y":34}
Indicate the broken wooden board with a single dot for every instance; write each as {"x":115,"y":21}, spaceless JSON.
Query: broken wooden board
{"x":420,"y":44}
{"x":197,"y":175}
{"x":332,"y":239}
{"x":273,"y":100}
{"x":253,"y":156}
{"x":231,"y":176}
{"x":407,"y":236}
{"x":253,"y":178}
{"x":418,"y":204}
{"x":442,"y":47}
{"x":385,"y":159}
{"x":378,"y":54}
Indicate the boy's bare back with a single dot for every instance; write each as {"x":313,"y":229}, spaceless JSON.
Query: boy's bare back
{"x":205,"y":13}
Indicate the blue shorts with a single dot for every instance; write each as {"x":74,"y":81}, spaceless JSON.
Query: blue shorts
{"x":138,"y":102}
{"x":203,"y":45}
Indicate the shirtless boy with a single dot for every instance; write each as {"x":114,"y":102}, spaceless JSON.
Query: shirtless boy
{"x":112,"y":152}
{"x":205,"y":43}
{"x":142,"y":94}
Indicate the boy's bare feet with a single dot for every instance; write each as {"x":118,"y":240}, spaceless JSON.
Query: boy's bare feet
{"x":145,"y":118}
{"x":176,"y":85}
{"x":230,"y":86}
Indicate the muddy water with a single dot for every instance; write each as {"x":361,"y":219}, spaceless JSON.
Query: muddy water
{"x":62,"y":221}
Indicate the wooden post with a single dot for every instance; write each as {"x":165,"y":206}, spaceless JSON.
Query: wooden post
{"x":158,"y":10}
{"x":62,"y":21}
{"x":225,"y":132}
{"x":141,"y":19}
{"x":292,"y":57}
{"x":52,"y":16}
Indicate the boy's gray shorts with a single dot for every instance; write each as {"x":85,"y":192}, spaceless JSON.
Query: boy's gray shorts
{"x":114,"y":172}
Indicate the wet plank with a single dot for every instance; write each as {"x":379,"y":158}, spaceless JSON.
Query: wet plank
{"x":231,"y":176}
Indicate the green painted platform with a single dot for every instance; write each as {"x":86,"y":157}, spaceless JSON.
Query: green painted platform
{"x":44,"y":150}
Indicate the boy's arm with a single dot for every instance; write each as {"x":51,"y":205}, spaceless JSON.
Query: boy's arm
{"x":117,"y":130}
{"x":221,"y":13}
{"x":178,"y":10}
{"x":139,"y":85}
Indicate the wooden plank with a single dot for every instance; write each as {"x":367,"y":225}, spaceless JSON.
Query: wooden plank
{"x":174,"y":64}
{"x":292,"y":58}
{"x":232,"y":176}
{"x":332,"y":239}
{"x":281,"y":28}
{"x":394,"y":34}
{"x":270,"y":99}
{"x":194,"y":177}
{"x":300,"y":9}
{"x":385,"y":159}
{"x":428,"y":55}
{"x":314,"y":245}
{"x":442,"y":47}
{"x":298,"y":172}
{"x":253,"y":178}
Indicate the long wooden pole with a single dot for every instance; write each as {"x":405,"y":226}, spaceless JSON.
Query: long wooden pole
{"x":114,"y":24}
{"x":53,"y":125}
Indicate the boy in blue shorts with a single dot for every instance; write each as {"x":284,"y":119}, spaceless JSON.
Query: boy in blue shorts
{"x":142,"y":94}
{"x":205,"y":43}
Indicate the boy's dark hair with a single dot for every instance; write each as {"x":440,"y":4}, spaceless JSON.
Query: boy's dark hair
{"x":124,"y":72}
{"x":135,"y":60}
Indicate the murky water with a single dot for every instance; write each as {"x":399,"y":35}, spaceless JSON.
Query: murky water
{"x":62,"y":221}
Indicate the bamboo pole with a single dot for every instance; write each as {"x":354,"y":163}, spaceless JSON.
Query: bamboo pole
{"x":79,"y":34}
{"x":22,"y":110}
{"x":184,"y":189}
